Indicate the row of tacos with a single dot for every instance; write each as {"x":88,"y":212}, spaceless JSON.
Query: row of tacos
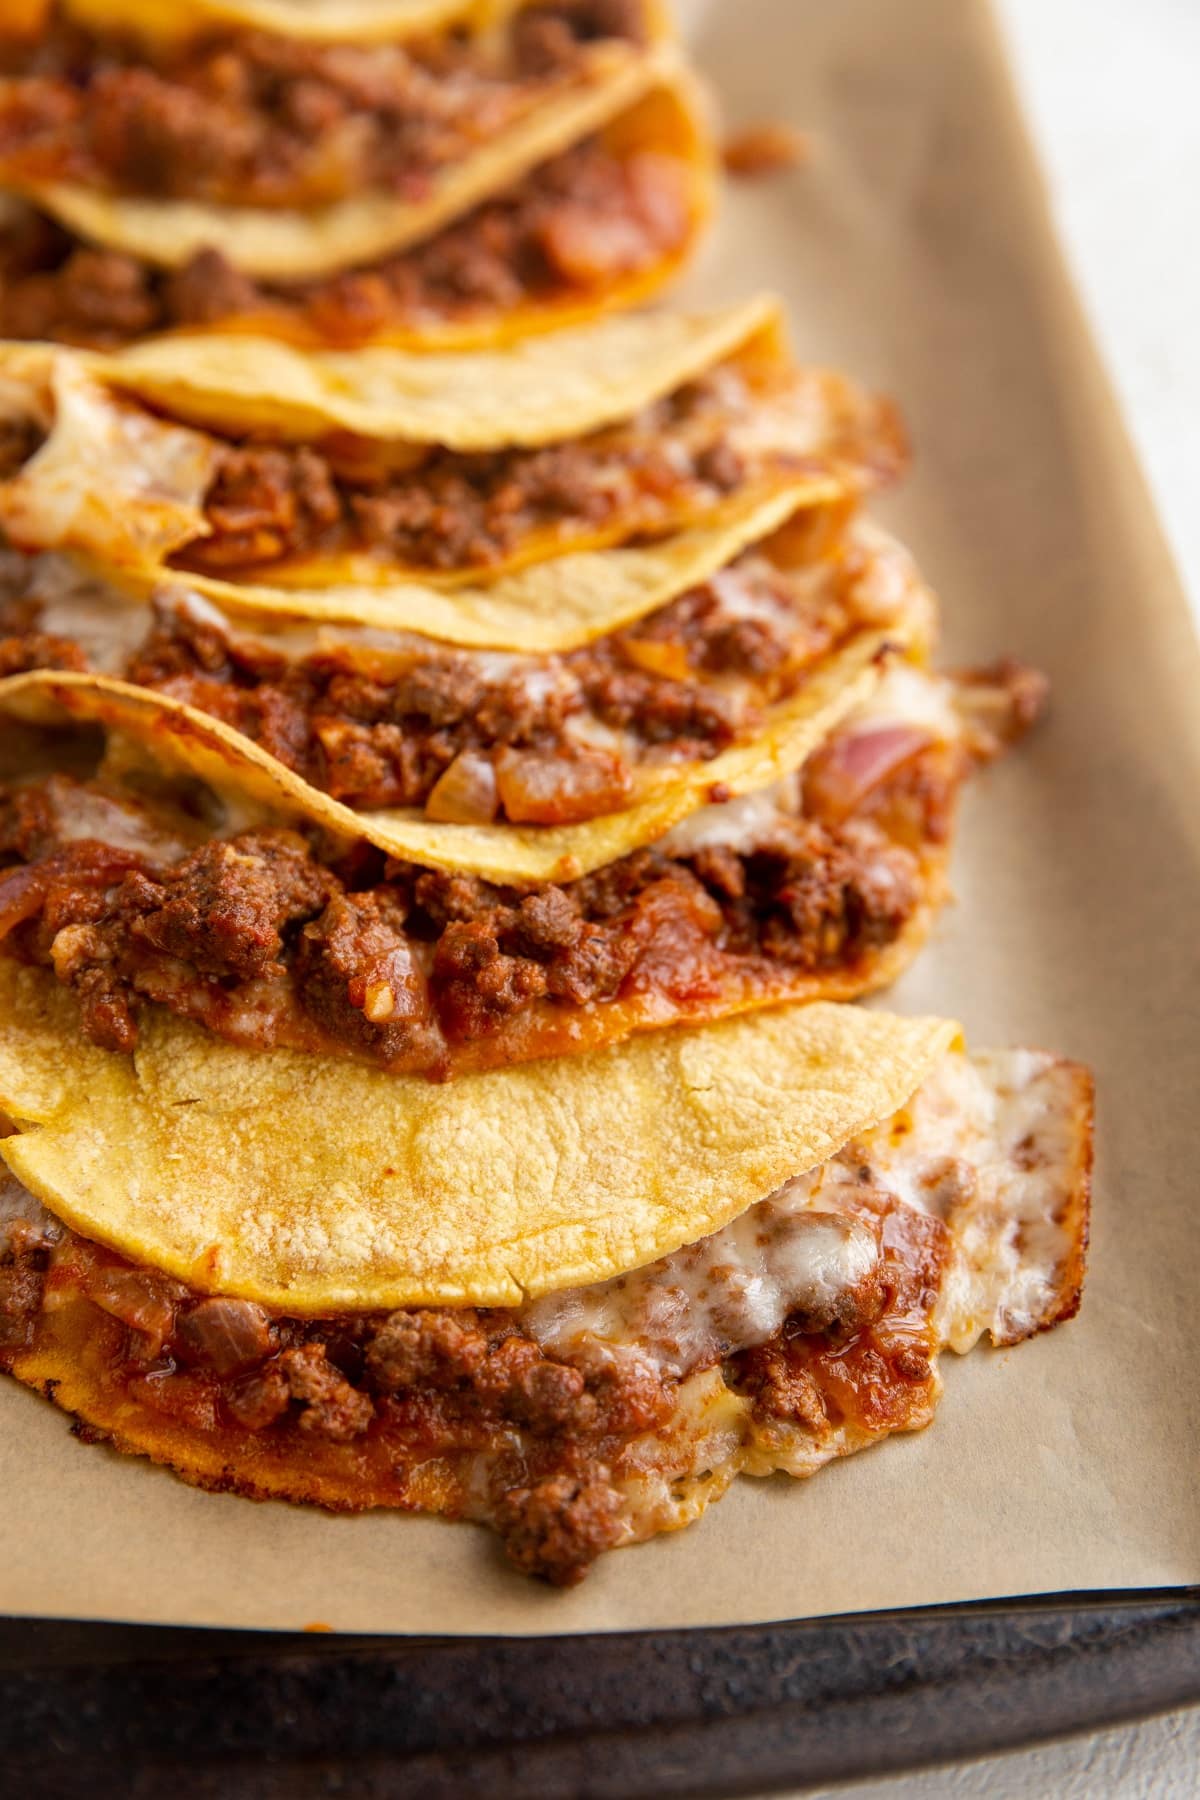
{"x":448,"y":800}
{"x":424,"y":175}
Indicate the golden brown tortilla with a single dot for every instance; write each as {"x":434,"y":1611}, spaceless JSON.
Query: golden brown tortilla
{"x":312,"y":1183}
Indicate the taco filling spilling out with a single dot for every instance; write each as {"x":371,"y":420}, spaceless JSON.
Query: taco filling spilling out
{"x":596,"y":1412}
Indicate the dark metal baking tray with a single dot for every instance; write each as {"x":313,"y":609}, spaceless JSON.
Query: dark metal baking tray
{"x":87,"y":1710}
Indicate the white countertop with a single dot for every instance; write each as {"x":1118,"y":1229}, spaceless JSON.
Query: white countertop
{"x":1110,"y":91}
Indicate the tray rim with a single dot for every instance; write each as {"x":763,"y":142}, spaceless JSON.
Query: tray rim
{"x":751,"y":1704}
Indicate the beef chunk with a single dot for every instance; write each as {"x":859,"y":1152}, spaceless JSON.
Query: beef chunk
{"x":557,"y":1528}
{"x":225,"y":908}
{"x":358,"y":976}
{"x":331,"y":1407}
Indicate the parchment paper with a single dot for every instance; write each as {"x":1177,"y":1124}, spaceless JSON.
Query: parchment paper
{"x":914,"y":248}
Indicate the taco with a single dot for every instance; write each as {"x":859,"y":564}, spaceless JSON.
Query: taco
{"x":387,"y":720}
{"x":307,"y":1281}
{"x":504,"y":168}
{"x":185,"y":867}
{"x":331,"y":474}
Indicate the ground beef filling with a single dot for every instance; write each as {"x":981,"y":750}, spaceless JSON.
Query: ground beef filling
{"x":571,"y":229}
{"x":548,"y":742}
{"x":449,"y":510}
{"x":535,"y":1445}
{"x":256,"y":120}
{"x":443,"y":510}
{"x":262,"y":942}
{"x":24,"y":645}
{"x":551,"y":740}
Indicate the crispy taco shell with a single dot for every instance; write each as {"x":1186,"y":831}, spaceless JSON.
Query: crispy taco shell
{"x":995,"y":1245}
{"x":838,"y":892}
{"x":176,"y":736}
{"x":522,"y":395}
{"x":280,"y":245}
{"x":311,"y":21}
{"x":314,"y":1184}
{"x":130,"y":488}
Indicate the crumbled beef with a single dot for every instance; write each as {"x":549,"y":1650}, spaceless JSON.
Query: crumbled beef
{"x":330,"y":1406}
{"x":206,"y":290}
{"x":267,"y":120}
{"x":658,"y":711}
{"x":510,"y":251}
{"x":477,"y":984}
{"x":548,"y":920}
{"x":429,"y":1348}
{"x":39,"y":650}
{"x":836,"y":893}
{"x":559,"y":1526}
{"x":105,"y":1012}
{"x":261,"y":940}
{"x":781,"y":1388}
{"x":264,"y":504}
{"x":359,"y":976}
{"x":99,"y":297}
{"x":20,"y":1301}
{"x":225,"y":908}
{"x":483,"y":1359}
{"x":29,"y":823}
{"x":722,"y":871}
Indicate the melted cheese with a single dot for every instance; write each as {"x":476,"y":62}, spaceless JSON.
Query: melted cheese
{"x":109,"y":477}
{"x":740,"y":825}
{"x":994,"y":1146}
{"x":727,"y":1292}
{"x":76,"y":602}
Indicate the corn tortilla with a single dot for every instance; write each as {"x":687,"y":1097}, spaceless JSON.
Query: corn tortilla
{"x":523,"y":395}
{"x":313,"y":1184}
{"x":313,"y":21}
{"x":177,"y":737}
{"x":280,"y":244}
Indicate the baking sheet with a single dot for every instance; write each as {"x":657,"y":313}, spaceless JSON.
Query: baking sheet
{"x":913,"y":247}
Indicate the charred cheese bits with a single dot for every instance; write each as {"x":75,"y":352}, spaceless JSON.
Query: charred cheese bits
{"x":926,"y":1198}
{"x":428,"y":176}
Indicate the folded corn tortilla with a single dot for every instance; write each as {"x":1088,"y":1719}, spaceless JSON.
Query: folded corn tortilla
{"x":178,"y":738}
{"x":127,"y":487}
{"x":276,"y":244}
{"x":313,"y":1183}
